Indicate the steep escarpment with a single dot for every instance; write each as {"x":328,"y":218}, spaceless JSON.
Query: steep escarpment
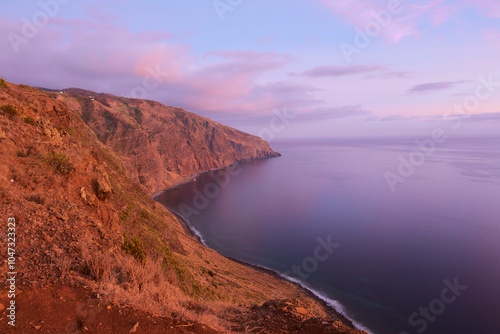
{"x":163,"y":145}
{"x":77,"y":175}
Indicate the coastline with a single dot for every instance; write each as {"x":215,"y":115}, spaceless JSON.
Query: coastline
{"x":331,"y":306}
{"x":190,"y":178}
{"x":187,"y":229}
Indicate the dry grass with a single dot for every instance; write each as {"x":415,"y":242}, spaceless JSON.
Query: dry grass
{"x":145,"y":286}
{"x":60,"y":162}
{"x":63,"y":263}
{"x":9,"y":110}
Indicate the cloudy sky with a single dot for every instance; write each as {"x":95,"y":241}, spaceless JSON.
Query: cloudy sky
{"x":326,"y":67}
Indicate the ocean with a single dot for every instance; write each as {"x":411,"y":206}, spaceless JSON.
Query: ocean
{"x":402,"y":237}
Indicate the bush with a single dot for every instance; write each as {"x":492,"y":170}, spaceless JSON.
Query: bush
{"x":125,"y":214}
{"x":72,"y":131}
{"x":134,"y":248}
{"x":108,"y":116}
{"x":60,"y":162}
{"x":138,"y":115}
{"x":3,"y":84}
{"x":9,"y":110}
{"x":29,"y":120}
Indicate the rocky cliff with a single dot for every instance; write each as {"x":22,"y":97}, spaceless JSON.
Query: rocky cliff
{"x":162,"y":145}
{"x":94,"y":253}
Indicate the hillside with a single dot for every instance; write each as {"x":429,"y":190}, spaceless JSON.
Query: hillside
{"x":95,"y":253}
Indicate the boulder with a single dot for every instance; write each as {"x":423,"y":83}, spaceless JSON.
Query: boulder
{"x":87,"y":198}
{"x":301,"y":310}
{"x":103,"y":187}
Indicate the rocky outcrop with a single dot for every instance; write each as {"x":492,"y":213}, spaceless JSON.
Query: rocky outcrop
{"x":102,"y":186}
{"x":87,"y":198}
{"x":290,"y":316}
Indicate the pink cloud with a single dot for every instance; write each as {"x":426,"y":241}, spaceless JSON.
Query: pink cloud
{"x":231,"y":84}
{"x":233,"y":72}
{"x":404,"y":22}
{"x":83,"y":45}
{"x":443,"y":13}
{"x":169,"y":59}
{"x":78,"y":52}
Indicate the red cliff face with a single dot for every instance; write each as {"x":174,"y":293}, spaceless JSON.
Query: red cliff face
{"x":163,"y":145}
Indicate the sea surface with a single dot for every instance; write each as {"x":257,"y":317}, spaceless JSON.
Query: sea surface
{"x":420,"y":256}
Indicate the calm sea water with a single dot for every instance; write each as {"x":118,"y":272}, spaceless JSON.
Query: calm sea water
{"x":393,"y":255}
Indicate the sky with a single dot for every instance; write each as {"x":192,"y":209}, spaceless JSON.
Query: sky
{"x":277,"y":69}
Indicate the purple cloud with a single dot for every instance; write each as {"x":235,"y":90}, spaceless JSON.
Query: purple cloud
{"x":398,"y":118}
{"x":433,"y":86}
{"x":325,"y":113}
{"x":392,"y":75}
{"x":485,"y":117}
{"x":338,"y":71}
